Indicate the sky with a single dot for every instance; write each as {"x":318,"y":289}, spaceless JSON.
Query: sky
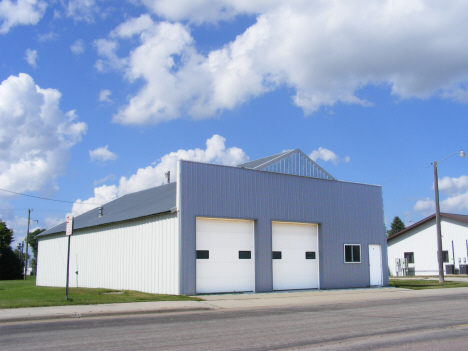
{"x":100,"y":98}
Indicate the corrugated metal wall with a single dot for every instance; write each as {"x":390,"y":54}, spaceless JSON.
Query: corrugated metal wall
{"x":347,"y":213}
{"x":141,"y":254}
{"x":422,"y":242}
{"x":296,"y":164}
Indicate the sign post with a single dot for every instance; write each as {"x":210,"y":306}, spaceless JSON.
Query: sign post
{"x":68,"y":232}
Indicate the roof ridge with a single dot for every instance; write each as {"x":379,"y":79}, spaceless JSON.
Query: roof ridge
{"x":458,"y":217}
{"x":278,"y":156}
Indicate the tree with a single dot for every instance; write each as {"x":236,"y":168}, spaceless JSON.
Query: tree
{"x":21,"y":255}
{"x":6,"y":235}
{"x":10,"y":264}
{"x":33,"y":244}
{"x":396,"y":226}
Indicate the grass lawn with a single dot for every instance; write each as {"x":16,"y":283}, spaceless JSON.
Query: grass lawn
{"x":20,"y":293}
{"x":419,"y":284}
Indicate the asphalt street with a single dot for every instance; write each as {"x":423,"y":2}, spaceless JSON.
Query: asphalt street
{"x":421,"y":322}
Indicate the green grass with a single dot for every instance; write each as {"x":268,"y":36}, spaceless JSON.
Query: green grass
{"x":419,"y":284}
{"x":20,"y":293}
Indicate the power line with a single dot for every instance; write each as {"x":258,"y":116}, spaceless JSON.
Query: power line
{"x":406,"y":174}
{"x":35,"y":209}
{"x":45,"y":198}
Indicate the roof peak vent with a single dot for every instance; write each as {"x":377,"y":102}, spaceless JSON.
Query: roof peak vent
{"x":100,"y":210}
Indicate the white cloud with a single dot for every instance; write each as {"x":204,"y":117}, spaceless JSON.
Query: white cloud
{"x":103,"y":180}
{"x":102,"y":154}
{"x":457,"y":94}
{"x":210,"y":10}
{"x":107,"y":50}
{"x":82,"y":10}
{"x":327,"y":155}
{"x":425,"y":206}
{"x":102,"y":195}
{"x":20,"y":12}
{"x":78,"y":47}
{"x":455,"y":204}
{"x":453,"y":186}
{"x":104,"y":95}
{"x":51,"y":222}
{"x":7,"y":211}
{"x":51,"y":36}
{"x":133,"y":26}
{"x":35,"y":135}
{"x":324,"y":51}
{"x":31,"y":57}
{"x":152,"y":176}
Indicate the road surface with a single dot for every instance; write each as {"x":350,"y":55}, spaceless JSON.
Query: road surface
{"x":420,"y":323}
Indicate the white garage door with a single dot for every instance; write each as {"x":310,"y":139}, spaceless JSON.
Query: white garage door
{"x":295,"y":256}
{"x":225,"y":255}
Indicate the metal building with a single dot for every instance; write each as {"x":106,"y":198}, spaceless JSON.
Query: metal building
{"x":413,"y":251}
{"x":278,"y":223}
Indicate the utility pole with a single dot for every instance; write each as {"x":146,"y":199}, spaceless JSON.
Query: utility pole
{"x":21,"y":248}
{"x":27,"y":242}
{"x":440,"y":254}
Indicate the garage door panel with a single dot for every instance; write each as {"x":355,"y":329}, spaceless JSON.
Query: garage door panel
{"x":223,"y":271}
{"x":209,"y":285}
{"x":294,"y":270}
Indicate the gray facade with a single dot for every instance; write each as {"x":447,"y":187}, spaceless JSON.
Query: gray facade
{"x":347,"y":213}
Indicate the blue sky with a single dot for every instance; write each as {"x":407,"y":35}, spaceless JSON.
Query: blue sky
{"x":99,"y":99}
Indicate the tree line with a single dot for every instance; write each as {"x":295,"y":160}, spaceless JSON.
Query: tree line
{"x":12,"y":261}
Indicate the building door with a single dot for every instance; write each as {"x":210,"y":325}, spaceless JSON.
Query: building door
{"x":295,"y":256}
{"x":375,"y":265}
{"x":225,"y":255}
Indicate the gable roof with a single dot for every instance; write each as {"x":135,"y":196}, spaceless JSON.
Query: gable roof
{"x":135,"y":205}
{"x":458,"y":217}
{"x":269,"y":163}
{"x":264,"y":161}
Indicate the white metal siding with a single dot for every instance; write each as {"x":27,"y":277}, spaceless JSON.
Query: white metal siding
{"x":293,"y":270}
{"x":224,"y":271}
{"x":141,"y":254}
{"x":422,"y":241}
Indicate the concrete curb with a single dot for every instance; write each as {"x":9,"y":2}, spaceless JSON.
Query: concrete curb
{"x":76,"y":315}
{"x":222,"y":302}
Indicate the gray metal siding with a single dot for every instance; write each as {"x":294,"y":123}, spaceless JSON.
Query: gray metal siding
{"x":347,"y":213}
{"x":297,"y":164}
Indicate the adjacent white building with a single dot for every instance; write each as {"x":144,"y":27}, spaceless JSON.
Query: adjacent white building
{"x":418,"y":244}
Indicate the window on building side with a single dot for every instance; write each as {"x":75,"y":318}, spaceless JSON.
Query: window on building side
{"x":409,"y":257}
{"x":352,"y":253}
{"x":445,"y":256}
